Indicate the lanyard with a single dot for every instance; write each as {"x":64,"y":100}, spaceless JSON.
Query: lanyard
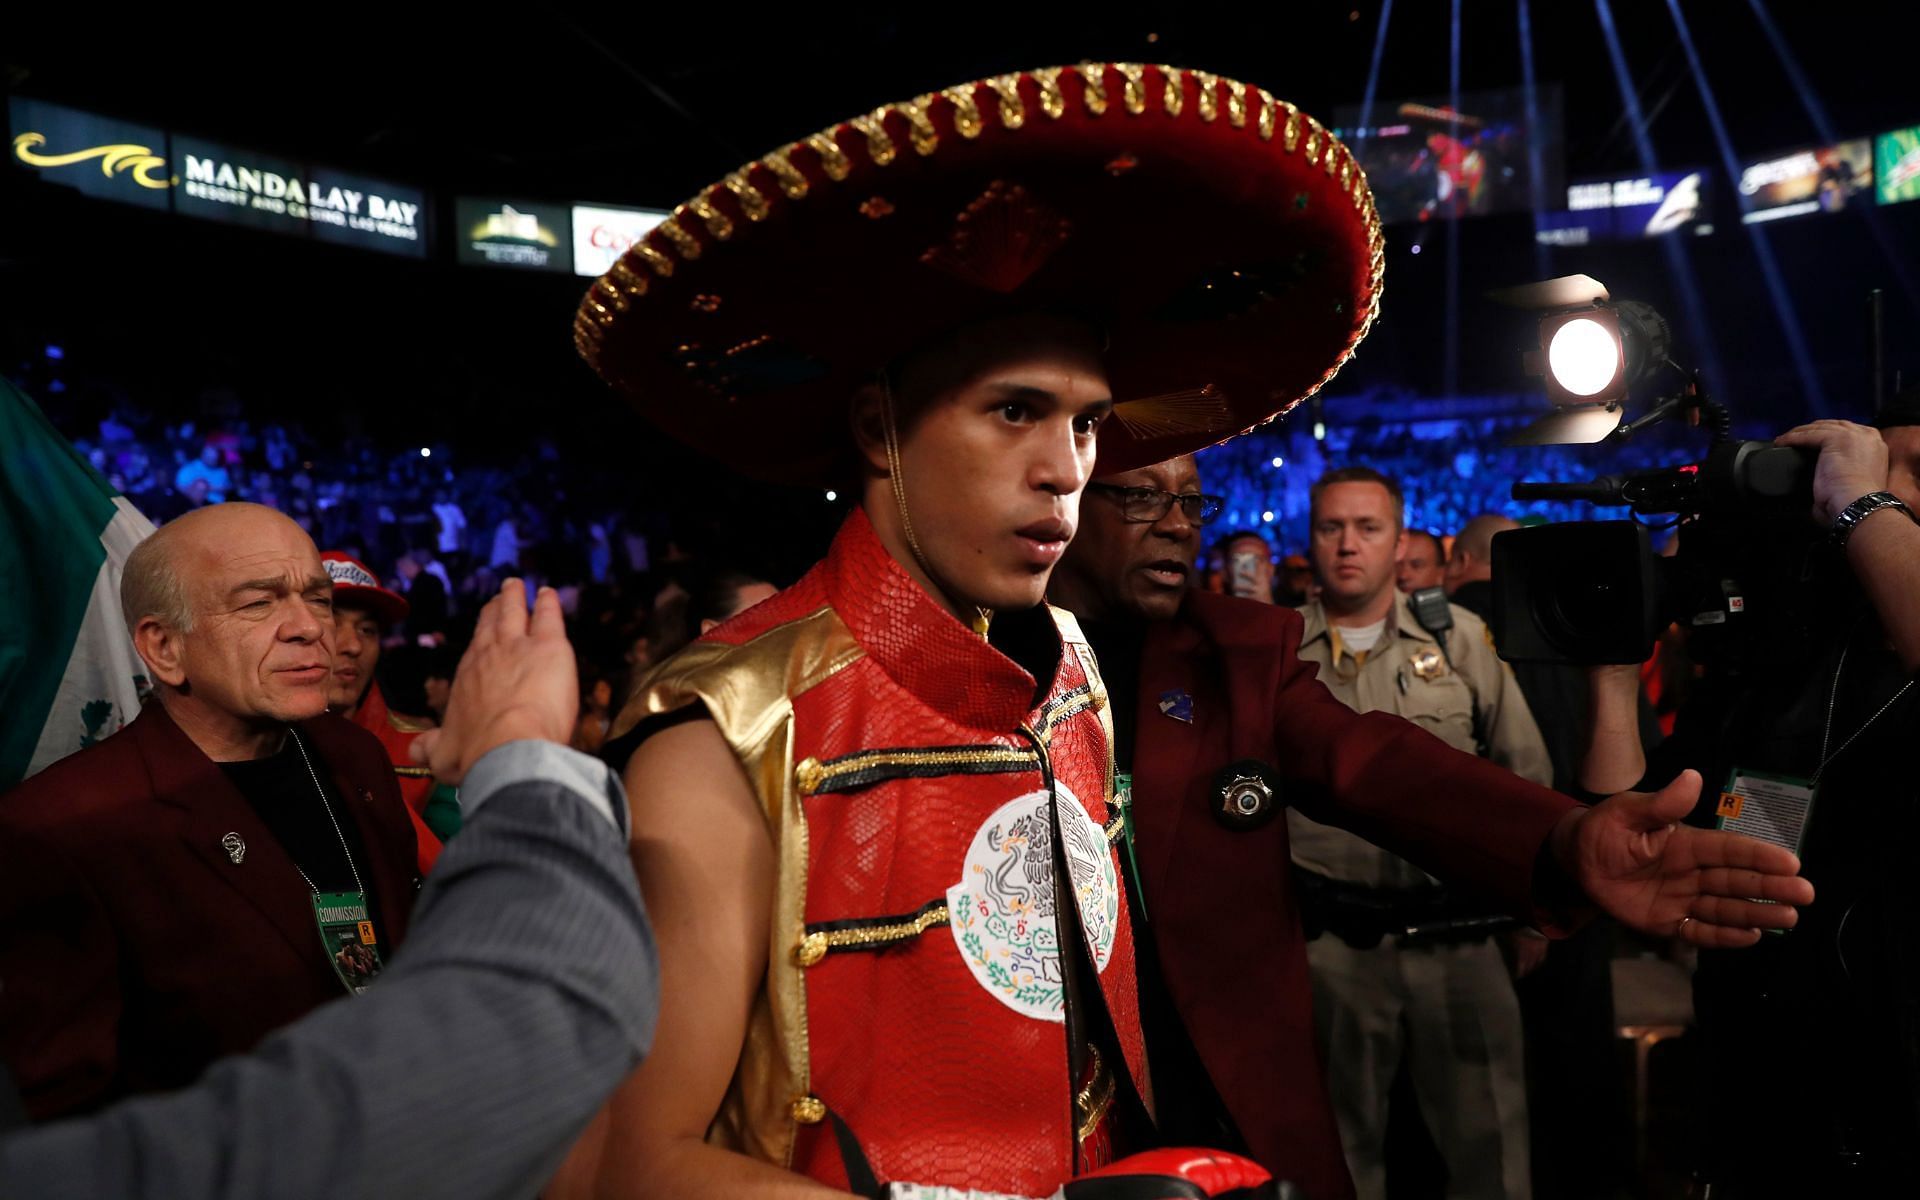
{"x":1833,"y":699}
{"x":335,"y":821}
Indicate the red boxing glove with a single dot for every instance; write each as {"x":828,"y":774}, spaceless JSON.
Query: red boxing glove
{"x":1180,"y":1173}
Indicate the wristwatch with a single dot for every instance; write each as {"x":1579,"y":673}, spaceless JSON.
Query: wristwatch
{"x":1860,"y":510}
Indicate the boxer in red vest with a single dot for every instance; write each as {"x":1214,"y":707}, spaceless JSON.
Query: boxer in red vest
{"x":874,"y":815}
{"x":363,"y":613}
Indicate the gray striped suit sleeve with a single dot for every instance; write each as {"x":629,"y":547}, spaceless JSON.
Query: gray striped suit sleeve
{"x":526,"y":990}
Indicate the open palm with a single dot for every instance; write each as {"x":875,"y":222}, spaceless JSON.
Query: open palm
{"x":1635,"y":860}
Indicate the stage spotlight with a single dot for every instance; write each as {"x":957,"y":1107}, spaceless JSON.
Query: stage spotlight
{"x":1593,"y":350}
{"x":426,"y":452}
{"x":1584,"y":354}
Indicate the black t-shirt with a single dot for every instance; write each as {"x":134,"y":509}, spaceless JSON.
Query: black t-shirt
{"x":281,"y":792}
{"x":1826,"y":1017}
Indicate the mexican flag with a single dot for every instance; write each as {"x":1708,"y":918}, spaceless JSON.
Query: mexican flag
{"x":68,"y":673}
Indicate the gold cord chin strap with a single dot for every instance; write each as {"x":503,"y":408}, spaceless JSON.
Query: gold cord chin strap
{"x":983,"y":618}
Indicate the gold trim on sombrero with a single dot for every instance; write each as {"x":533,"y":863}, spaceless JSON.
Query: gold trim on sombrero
{"x":793,"y":184}
{"x":966,"y":111}
{"x":1172,"y":96}
{"x":679,"y":235}
{"x":1202,"y":410}
{"x":921,"y":134}
{"x":1052,"y":101}
{"x":1094,"y":94}
{"x":628,"y":281}
{"x":718,"y":223}
{"x":833,"y":160}
{"x":1264,"y":122}
{"x":1013,"y":111}
{"x":752,"y":201}
{"x":1209,"y":94}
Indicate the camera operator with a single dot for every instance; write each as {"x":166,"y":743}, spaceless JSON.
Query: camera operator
{"x":1812,"y":1039}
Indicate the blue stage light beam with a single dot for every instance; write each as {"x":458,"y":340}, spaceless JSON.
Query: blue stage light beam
{"x":1678,"y":264}
{"x":1763,"y":250}
{"x":1536,"y":171}
{"x":1823,"y":125}
{"x":1373,"y":72}
{"x":1450,"y":377}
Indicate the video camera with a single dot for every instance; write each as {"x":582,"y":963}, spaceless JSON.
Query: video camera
{"x":1592,"y":592}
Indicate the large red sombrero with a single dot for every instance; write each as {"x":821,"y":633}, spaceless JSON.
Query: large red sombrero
{"x":1224,"y":240}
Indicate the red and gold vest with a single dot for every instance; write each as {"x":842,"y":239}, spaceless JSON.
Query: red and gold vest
{"x":914,"y":791}
{"x":416,"y":782}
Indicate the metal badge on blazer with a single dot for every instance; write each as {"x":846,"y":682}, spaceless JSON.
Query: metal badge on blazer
{"x":1246,"y":795}
{"x":235,"y":846}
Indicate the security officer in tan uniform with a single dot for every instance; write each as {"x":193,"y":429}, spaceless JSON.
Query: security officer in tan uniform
{"x":1402,"y":969}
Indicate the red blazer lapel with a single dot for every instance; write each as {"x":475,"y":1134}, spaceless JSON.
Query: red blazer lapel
{"x":213,"y":812}
{"x":1166,"y":750}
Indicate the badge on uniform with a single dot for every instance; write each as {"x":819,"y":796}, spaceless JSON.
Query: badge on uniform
{"x":1428,"y":664}
{"x":1178,"y":705}
{"x":346,"y":930}
{"x":1246,"y":795}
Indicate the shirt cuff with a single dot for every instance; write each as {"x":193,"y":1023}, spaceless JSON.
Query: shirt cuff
{"x":531,"y":759}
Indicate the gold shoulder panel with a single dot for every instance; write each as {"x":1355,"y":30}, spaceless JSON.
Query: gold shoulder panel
{"x":748,"y":691}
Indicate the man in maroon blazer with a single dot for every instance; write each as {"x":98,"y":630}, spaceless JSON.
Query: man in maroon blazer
{"x":1218,"y":725}
{"x":230,"y":860}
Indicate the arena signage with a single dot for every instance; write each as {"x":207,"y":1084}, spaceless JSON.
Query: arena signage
{"x":1821,"y":179}
{"x":1611,"y":210}
{"x":1896,"y":165}
{"x":602,"y":234}
{"x":512,"y":233}
{"x":245,"y":187}
{"x":96,"y":156}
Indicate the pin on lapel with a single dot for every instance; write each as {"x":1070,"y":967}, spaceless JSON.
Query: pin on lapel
{"x":1178,"y":705}
{"x":235,"y":846}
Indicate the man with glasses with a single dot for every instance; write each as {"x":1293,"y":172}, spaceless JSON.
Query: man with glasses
{"x":1219,"y":724}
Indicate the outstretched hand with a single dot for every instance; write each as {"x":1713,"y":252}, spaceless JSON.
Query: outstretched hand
{"x":517,"y":680}
{"x":1637,"y":862}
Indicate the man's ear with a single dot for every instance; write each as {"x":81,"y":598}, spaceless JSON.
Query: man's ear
{"x":867,"y":414}
{"x":163,"y":649}
{"x":1400,"y":546}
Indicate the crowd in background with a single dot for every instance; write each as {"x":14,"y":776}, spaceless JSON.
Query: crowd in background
{"x":444,"y":525}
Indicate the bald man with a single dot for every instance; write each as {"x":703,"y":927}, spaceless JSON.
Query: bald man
{"x":230,"y":860}
{"x":1472,"y":562}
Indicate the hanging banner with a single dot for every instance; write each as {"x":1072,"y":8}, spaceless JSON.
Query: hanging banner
{"x":1896,"y":165}
{"x":1618,"y":210}
{"x":513,"y":233}
{"x":1821,"y":179}
{"x":281,"y":195}
{"x":96,"y":156}
{"x":602,"y":234}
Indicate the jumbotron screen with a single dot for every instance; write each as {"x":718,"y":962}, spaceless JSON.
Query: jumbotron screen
{"x":1819,"y":179}
{"x":1427,"y":160}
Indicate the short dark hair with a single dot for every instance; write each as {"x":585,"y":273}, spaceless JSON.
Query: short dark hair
{"x":1356,"y":475}
{"x":1439,"y":551}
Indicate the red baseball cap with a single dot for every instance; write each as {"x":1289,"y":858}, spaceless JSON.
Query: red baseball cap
{"x":354,"y":584}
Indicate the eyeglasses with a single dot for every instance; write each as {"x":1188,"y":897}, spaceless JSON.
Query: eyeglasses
{"x":1145,"y":505}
